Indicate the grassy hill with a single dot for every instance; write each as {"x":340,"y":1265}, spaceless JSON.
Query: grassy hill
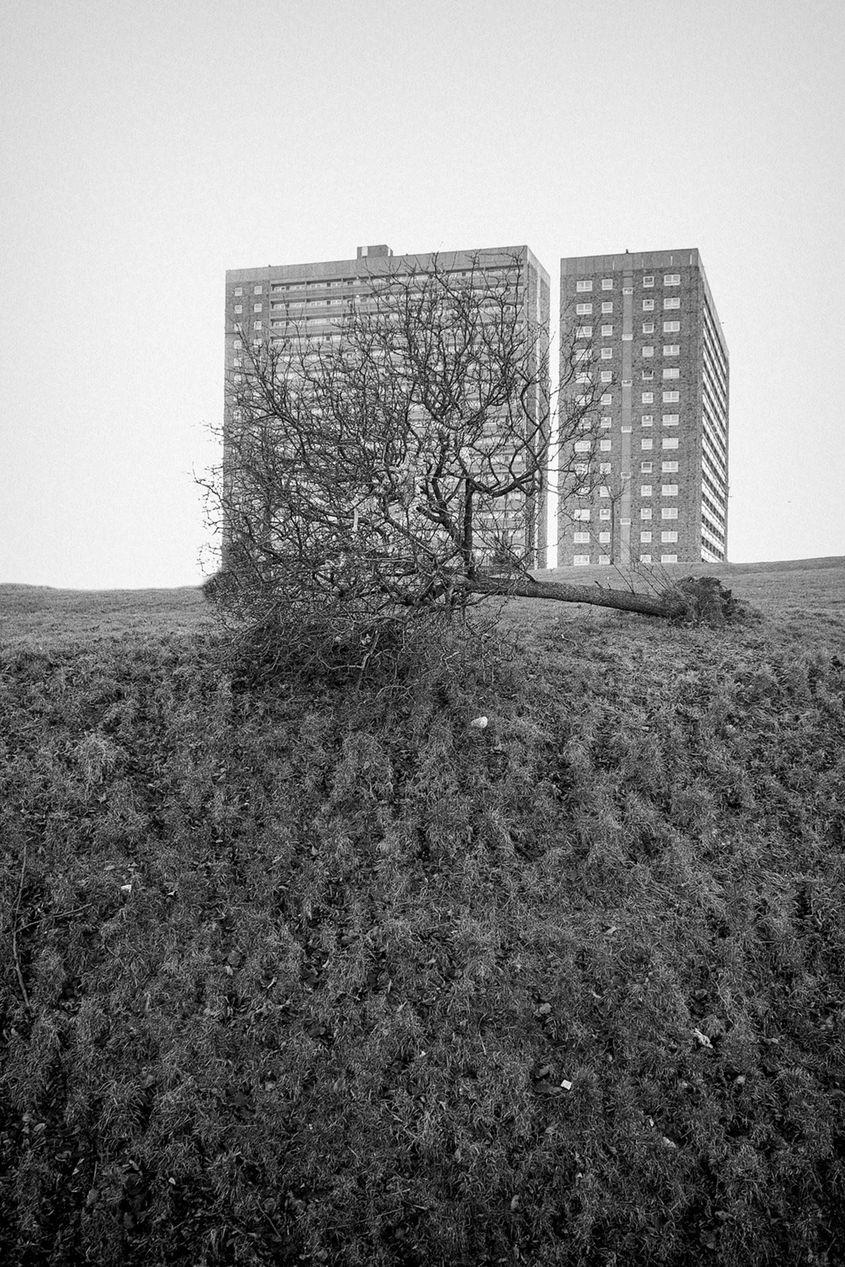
{"x":330,"y":976}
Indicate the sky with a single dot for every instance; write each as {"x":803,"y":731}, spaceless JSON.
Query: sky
{"x":148,"y":147}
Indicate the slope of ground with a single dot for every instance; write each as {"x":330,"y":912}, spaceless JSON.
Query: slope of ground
{"x":333,"y":977}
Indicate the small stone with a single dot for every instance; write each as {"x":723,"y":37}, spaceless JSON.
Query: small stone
{"x":479,"y":723}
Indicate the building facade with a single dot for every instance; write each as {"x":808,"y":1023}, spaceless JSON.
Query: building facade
{"x":291,"y":301}
{"x":647,"y":329}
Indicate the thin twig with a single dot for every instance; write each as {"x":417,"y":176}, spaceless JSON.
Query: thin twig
{"x":15,"y":955}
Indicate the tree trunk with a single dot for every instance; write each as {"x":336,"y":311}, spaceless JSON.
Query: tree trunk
{"x":561,"y":592}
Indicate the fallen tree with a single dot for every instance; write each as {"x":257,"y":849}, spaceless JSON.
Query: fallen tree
{"x":399,"y":465}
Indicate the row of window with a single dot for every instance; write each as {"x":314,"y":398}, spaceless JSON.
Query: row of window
{"x":647,"y":398}
{"x":583,"y":538}
{"x":646,"y":420}
{"x":669,"y":279}
{"x":585,"y":310}
{"x":646,"y":468}
{"x":584,"y":354}
{"x":584,"y":514}
{"x":606,"y":445}
{"x":647,"y":349}
{"x":669,"y":327}
{"x":583,"y":560}
{"x":320,"y":283}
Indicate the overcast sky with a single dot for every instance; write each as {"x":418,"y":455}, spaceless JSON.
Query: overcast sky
{"x":147,"y":147}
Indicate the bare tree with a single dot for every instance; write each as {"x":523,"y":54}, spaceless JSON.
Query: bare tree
{"x":400,"y":464}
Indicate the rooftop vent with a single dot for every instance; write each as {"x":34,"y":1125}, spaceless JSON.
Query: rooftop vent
{"x":366,"y":252}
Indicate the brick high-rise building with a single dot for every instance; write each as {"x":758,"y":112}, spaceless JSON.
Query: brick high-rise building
{"x":289,"y":301}
{"x":649,"y":328}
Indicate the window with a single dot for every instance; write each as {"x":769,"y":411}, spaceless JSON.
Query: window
{"x":604,"y":512}
{"x":257,"y":307}
{"x":671,"y":349}
{"x":581,"y":560}
{"x":582,"y":354}
{"x":645,"y":558}
{"x":670,"y":442}
{"x":669,"y":490}
{"x":672,"y":279}
{"x":671,"y":420}
{"x":258,"y":290}
{"x":582,"y":446}
{"x":581,"y":538}
{"x":607,"y":306}
{"x":239,"y":290}
{"x":648,"y":351}
{"x":606,"y":399}
{"x":604,"y":491}
{"x":258,"y":325}
{"x":604,"y":468}
{"x":645,"y":467}
{"x":645,"y":490}
{"x":669,"y":467}
{"x":606,"y":331}
{"x":583,"y":310}
{"x":604,"y":560}
{"x":646,"y":443}
{"x":648,"y":398}
{"x":583,"y":332}
{"x":647,"y":419}
{"x":674,"y":302}
{"x":606,"y":354}
{"x":648,"y":374}
{"x":648,"y":281}
{"x":648,"y":327}
{"x":667,"y":537}
{"x":583,"y":513}
{"x":645,"y":536}
{"x":607,"y":283}
{"x":668,"y":558}
{"x":606,"y":423}
{"x":583,"y":376}
{"x":584,"y":285}
{"x":584,"y":424}
{"x":669,"y":512}
{"x":671,"y":327}
{"x":648,"y":305}
{"x":604,"y":538}
{"x":671,"y":398}
{"x":672,"y":372}
{"x":239,"y":307}
{"x":645,"y":512}
{"x":604,"y":445}
{"x":607,"y":376}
